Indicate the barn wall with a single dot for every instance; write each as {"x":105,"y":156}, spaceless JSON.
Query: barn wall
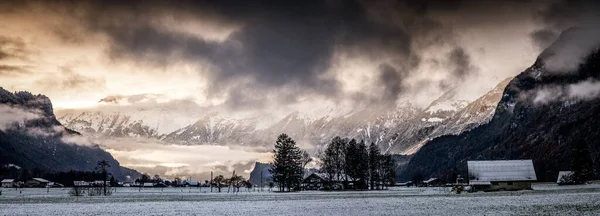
{"x":514,"y":186}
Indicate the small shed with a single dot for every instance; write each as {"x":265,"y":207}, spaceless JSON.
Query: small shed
{"x":148,"y":184}
{"x":37,"y":182}
{"x":8,"y":183}
{"x":565,"y":178}
{"x":497,"y":175}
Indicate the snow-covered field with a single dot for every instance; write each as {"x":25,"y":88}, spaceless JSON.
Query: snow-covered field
{"x":546,"y":199}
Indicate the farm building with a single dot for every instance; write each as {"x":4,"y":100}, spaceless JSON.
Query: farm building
{"x":193,"y":183}
{"x":81,"y":183}
{"x":501,"y":174}
{"x":8,"y":183}
{"x":433,"y":182}
{"x":54,"y":184}
{"x":37,"y":182}
{"x":320,"y":181}
{"x":314,"y":181}
{"x":100,"y":183}
{"x":565,"y":177}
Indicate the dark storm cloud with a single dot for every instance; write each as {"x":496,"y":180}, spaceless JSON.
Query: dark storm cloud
{"x":462,"y":64}
{"x":544,"y":37}
{"x":9,"y":70}
{"x":577,"y":23}
{"x":392,"y":81}
{"x":560,"y":15}
{"x":278,"y":46}
{"x":12,"y":48}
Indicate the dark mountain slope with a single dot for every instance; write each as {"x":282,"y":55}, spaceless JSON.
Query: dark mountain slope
{"x":260,"y":168}
{"x":539,"y":117}
{"x":35,"y":139}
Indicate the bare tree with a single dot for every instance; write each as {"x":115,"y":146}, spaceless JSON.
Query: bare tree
{"x":76,"y":191}
{"x":237,"y":182}
{"x":218,"y":182}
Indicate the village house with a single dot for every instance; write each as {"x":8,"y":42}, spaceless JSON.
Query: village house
{"x":37,"y":182}
{"x":8,"y":183}
{"x":81,"y":184}
{"x":433,"y":182}
{"x":319,"y":181}
{"x":314,"y":181}
{"x":497,"y":175}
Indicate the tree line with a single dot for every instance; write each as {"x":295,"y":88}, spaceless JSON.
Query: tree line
{"x":344,"y":163}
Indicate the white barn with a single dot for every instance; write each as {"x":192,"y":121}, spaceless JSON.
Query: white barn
{"x":496,"y":175}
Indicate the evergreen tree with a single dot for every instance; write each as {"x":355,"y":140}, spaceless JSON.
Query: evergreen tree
{"x":582,"y":164}
{"x":113,"y":182}
{"x":351,"y":159}
{"x":287,"y":164}
{"x":387,"y":169}
{"x":362,"y":164}
{"x":334,"y":160}
{"x":374,"y":159}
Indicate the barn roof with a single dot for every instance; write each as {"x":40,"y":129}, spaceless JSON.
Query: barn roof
{"x":430,"y":180}
{"x":8,"y":181}
{"x":485,"y":172}
{"x":41,"y":180}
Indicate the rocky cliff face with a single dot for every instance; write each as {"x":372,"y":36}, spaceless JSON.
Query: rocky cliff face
{"x":32,"y":137}
{"x":542,"y":111}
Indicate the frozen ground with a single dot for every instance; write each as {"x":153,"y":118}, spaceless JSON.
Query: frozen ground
{"x":546,"y":199}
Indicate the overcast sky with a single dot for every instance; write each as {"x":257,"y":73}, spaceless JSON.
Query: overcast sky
{"x":257,"y":55}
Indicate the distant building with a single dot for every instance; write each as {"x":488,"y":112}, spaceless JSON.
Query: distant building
{"x":193,"y":183}
{"x":433,"y":182}
{"x":37,"y":182}
{"x":81,"y":184}
{"x":148,"y":184}
{"x":8,"y":183}
{"x":54,"y":184}
{"x":407,"y":184}
{"x":565,"y":178}
{"x":320,"y":181}
{"x":501,"y":174}
{"x":314,"y":181}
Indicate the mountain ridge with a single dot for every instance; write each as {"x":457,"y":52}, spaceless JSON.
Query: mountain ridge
{"x":538,"y":118}
{"x":34,"y":138}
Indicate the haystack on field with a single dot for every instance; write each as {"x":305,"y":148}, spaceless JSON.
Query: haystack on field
{"x":545,"y":199}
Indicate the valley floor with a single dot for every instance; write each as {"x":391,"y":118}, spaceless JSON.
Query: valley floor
{"x":545,"y":199}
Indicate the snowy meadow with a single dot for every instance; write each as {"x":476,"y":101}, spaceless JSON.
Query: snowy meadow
{"x":545,"y":199}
